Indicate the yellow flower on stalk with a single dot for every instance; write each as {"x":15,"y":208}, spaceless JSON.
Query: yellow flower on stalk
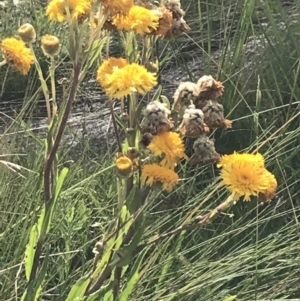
{"x":139,"y":19}
{"x":168,"y":145}
{"x":117,"y":7}
{"x":126,"y":80}
{"x":56,"y":9}
{"x":17,"y":54}
{"x":244,"y":175}
{"x":153,"y":173}
{"x":108,"y":67}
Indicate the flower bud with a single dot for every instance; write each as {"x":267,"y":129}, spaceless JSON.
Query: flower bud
{"x":50,"y":45}
{"x":133,"y":153}
{"x":124,"y":166}
{"x":27,"y":33}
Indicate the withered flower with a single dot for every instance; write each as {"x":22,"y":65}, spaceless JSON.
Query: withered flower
{"x":205,"y":151}
{"x":175,"y":7}
{"x":156,"y":118}
{"x":193,"y":122}
{"x":165,"y":22}
{"x":207,"y":88}
{"x":184,"y":95}
{"x":214,"y":115}
{"x":179,"y":27}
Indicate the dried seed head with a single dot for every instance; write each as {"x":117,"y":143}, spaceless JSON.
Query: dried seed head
{"x":27,"y":33}
{"x":193,"y":120}
{"x":156,"y":118}
{"x":214,"y":115}
{"x":204,"y":151}
{"x":179,"y":27}
{"x":175,"y":7}
{"x":185,"y":94}
{"x":207,"y":88}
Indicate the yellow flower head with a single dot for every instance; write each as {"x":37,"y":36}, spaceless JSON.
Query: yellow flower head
{"x":244,"y":174}
{"x":269,"y":193}
{"x":153,"y":173}
{"x":168,"y":145}
{"x":125,"y":80}
{"x":124,"y":166}
{"x":117,"y":7}
{"x":17,"y":54}
{"x":56,"y":9}
{"x":107,"y":68}
{"x":139,"y":19}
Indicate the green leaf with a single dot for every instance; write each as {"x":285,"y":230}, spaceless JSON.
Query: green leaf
{"x":102,"y":292}
{"x":134,"y":277}
{"x":50,"y":206}
{"x":230,"y":298}
{"x":157,"y":93}
{"x":78,"y":289}
{"x":30,"y":248}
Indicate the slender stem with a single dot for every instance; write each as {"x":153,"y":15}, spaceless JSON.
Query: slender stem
{"x":115,"y":125}
{"x":197,"y":222}
{"x":53,"y":87}
{"x":60,"y":131}
{"x":43,"y":84}
{"x":3,"y":63}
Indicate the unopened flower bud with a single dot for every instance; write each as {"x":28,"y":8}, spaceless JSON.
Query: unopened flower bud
{"x":124,"y":117}
{"x":27,"y":33}
{"x":50,"y":45}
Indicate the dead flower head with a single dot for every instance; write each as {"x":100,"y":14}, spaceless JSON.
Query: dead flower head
{"x":175,"y":7}
{"x":207,"y":88}
{"x":193,"y":122}
{"x":156,"y":118}
{"x":214,"y":115}
{"x":184,"y":95}
{"x":205,"y":151}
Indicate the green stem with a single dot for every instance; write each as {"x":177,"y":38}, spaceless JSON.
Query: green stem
{"x":43,"y":84}
{"x":53,"y":87}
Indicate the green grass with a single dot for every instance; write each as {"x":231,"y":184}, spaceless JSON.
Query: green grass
{"x":251,"y":251}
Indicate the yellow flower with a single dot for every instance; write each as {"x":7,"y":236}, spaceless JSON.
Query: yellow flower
{"x":107,"y":68}
{"x":269,"y":193}
{"x":139,"y":19}
{"x":153,"y":173}
{"x":244,"y":175}
{"x":115,"y":7}
{"x":255,"y":158}
{"x":124,"y":166}
{"x":17,"y":54}
{"x":168,"y":145}
{"x":125,"y":80}
{"x":56,"y":9}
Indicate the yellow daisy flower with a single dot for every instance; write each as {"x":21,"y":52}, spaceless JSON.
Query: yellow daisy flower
{"x":269,"y":193}
{"x":107,"y":68}
{"x":244,"y":175}
{"x":139,"y":19}
{"x":117,"y":7}
{"x":17,"y":54}
{"x":56,"y":9}
{"x":124,"y":81}
{"x":153,"y":173}
{"x":168,"y":145}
